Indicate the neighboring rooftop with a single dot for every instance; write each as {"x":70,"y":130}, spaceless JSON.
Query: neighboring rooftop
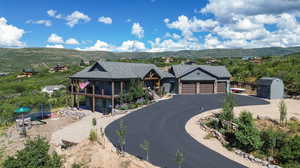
{"x":4,"y":73}
{"x":51,"y":88}
{"x":266,"y":80}
{"x":217,"y":71}
{"x":119,"y":70}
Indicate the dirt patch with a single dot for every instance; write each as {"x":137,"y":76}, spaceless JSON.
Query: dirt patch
{"x":95,"y":155}
{"x":11,"y":142}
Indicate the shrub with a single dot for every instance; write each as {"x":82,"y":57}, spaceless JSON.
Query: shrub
{"x":227,"y":112}
{"x":34,"y":155}
{"x":269,"y":141}
{"x":283,"y":112}
{"x":247,"y":137}
{"x":291,"y":151}
{"x":213,"y":123}
{"x":94,"y":122}
{"x":93,"y":135}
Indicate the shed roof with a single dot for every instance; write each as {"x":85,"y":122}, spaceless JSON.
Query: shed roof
{"x":217,"y":71}
{"x":266,"y":81}
{"x":119,"y":70}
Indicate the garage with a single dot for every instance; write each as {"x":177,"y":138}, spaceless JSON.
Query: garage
{"x":200,"y":79}
{"x":188,"y":88}
{"x":206,"y":87}
{"x":221,"y":87}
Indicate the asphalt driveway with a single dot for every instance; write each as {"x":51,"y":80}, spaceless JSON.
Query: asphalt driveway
{"x":163,"y":125}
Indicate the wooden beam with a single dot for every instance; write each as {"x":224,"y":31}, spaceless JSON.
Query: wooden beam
{"x":151,"y":78}
{"x":94,"y":102}
{"x":96,"y":95}
{"x":122,"y":85}
{"x":112,"y":96}
{"x":77,"y":88}
{"x":198,"y":88}
{"x":72,"y":94}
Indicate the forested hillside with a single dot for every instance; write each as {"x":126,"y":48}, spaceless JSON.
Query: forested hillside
{"x":17,"y":59}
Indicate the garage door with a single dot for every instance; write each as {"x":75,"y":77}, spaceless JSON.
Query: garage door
{"x":206,"y":88}
{"x":188,"y":88}
{"x":221,"y":87}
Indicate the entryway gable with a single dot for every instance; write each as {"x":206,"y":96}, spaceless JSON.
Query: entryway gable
{"x":198,"y":74}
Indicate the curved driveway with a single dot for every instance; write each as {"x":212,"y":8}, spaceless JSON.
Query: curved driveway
{"x":163,"y":125}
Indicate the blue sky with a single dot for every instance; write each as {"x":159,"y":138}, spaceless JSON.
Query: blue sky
{"x":149,"y":25}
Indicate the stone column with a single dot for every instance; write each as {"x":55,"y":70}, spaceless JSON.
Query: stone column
{"x":216,"y":86}
{"x":198,"y":88}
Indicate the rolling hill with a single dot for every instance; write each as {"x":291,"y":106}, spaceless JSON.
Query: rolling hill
{"x":14,"y":59}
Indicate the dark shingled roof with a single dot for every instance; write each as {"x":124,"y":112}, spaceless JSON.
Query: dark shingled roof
{"x":217,"y":71}
{"x":119,"y":70}
{"x":266,"y":81}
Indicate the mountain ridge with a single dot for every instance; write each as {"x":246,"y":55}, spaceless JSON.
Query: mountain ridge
{"x":14,"y":59}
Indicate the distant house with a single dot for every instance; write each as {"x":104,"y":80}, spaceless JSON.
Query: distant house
{"x":102,"y":83}
{"x":270,"y":88}
{"x":59,"y":68}
{"x":52,"y":88}
{"x":255,"y":60}
{"x":4,"y":73}
{"x":212,"y":61}
{"x":26,"y":72}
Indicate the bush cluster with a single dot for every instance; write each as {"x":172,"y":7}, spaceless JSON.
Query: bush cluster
{"x":34,"y":155}
{"x":284,"y":147}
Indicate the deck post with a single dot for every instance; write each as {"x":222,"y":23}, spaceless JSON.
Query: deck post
{"x":122,"y":85}
{"x":93,"y":101}
{"x":72,"y":94}
{"x":77,"y":90}
{"x":112,"y":96}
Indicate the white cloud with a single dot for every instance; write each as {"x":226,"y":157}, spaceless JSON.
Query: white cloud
{"x":166,"y":20}
{"x":225,"y":10}
{"x":212,"y":42}
{"x":46,"y":23}
{"x":98,"y":46}
{"x":53,"y":13}
{"x":105,"y":20}
{"x":126,"y":46}
{"x":131,"y":45}
{"x":137,"y":30}
{"x":54,"y":38}
{"x":173,"y":36}
{"x":10,"y":36}
{"x":72,"y":19}
{"x":159,"y":45}
{"x":55,"y":46}
{"x":189,"y":26}
{"x":76,"y":17}
{"x":72,"y":41}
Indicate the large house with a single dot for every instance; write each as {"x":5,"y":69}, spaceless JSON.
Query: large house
{"x":103,"y":82}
